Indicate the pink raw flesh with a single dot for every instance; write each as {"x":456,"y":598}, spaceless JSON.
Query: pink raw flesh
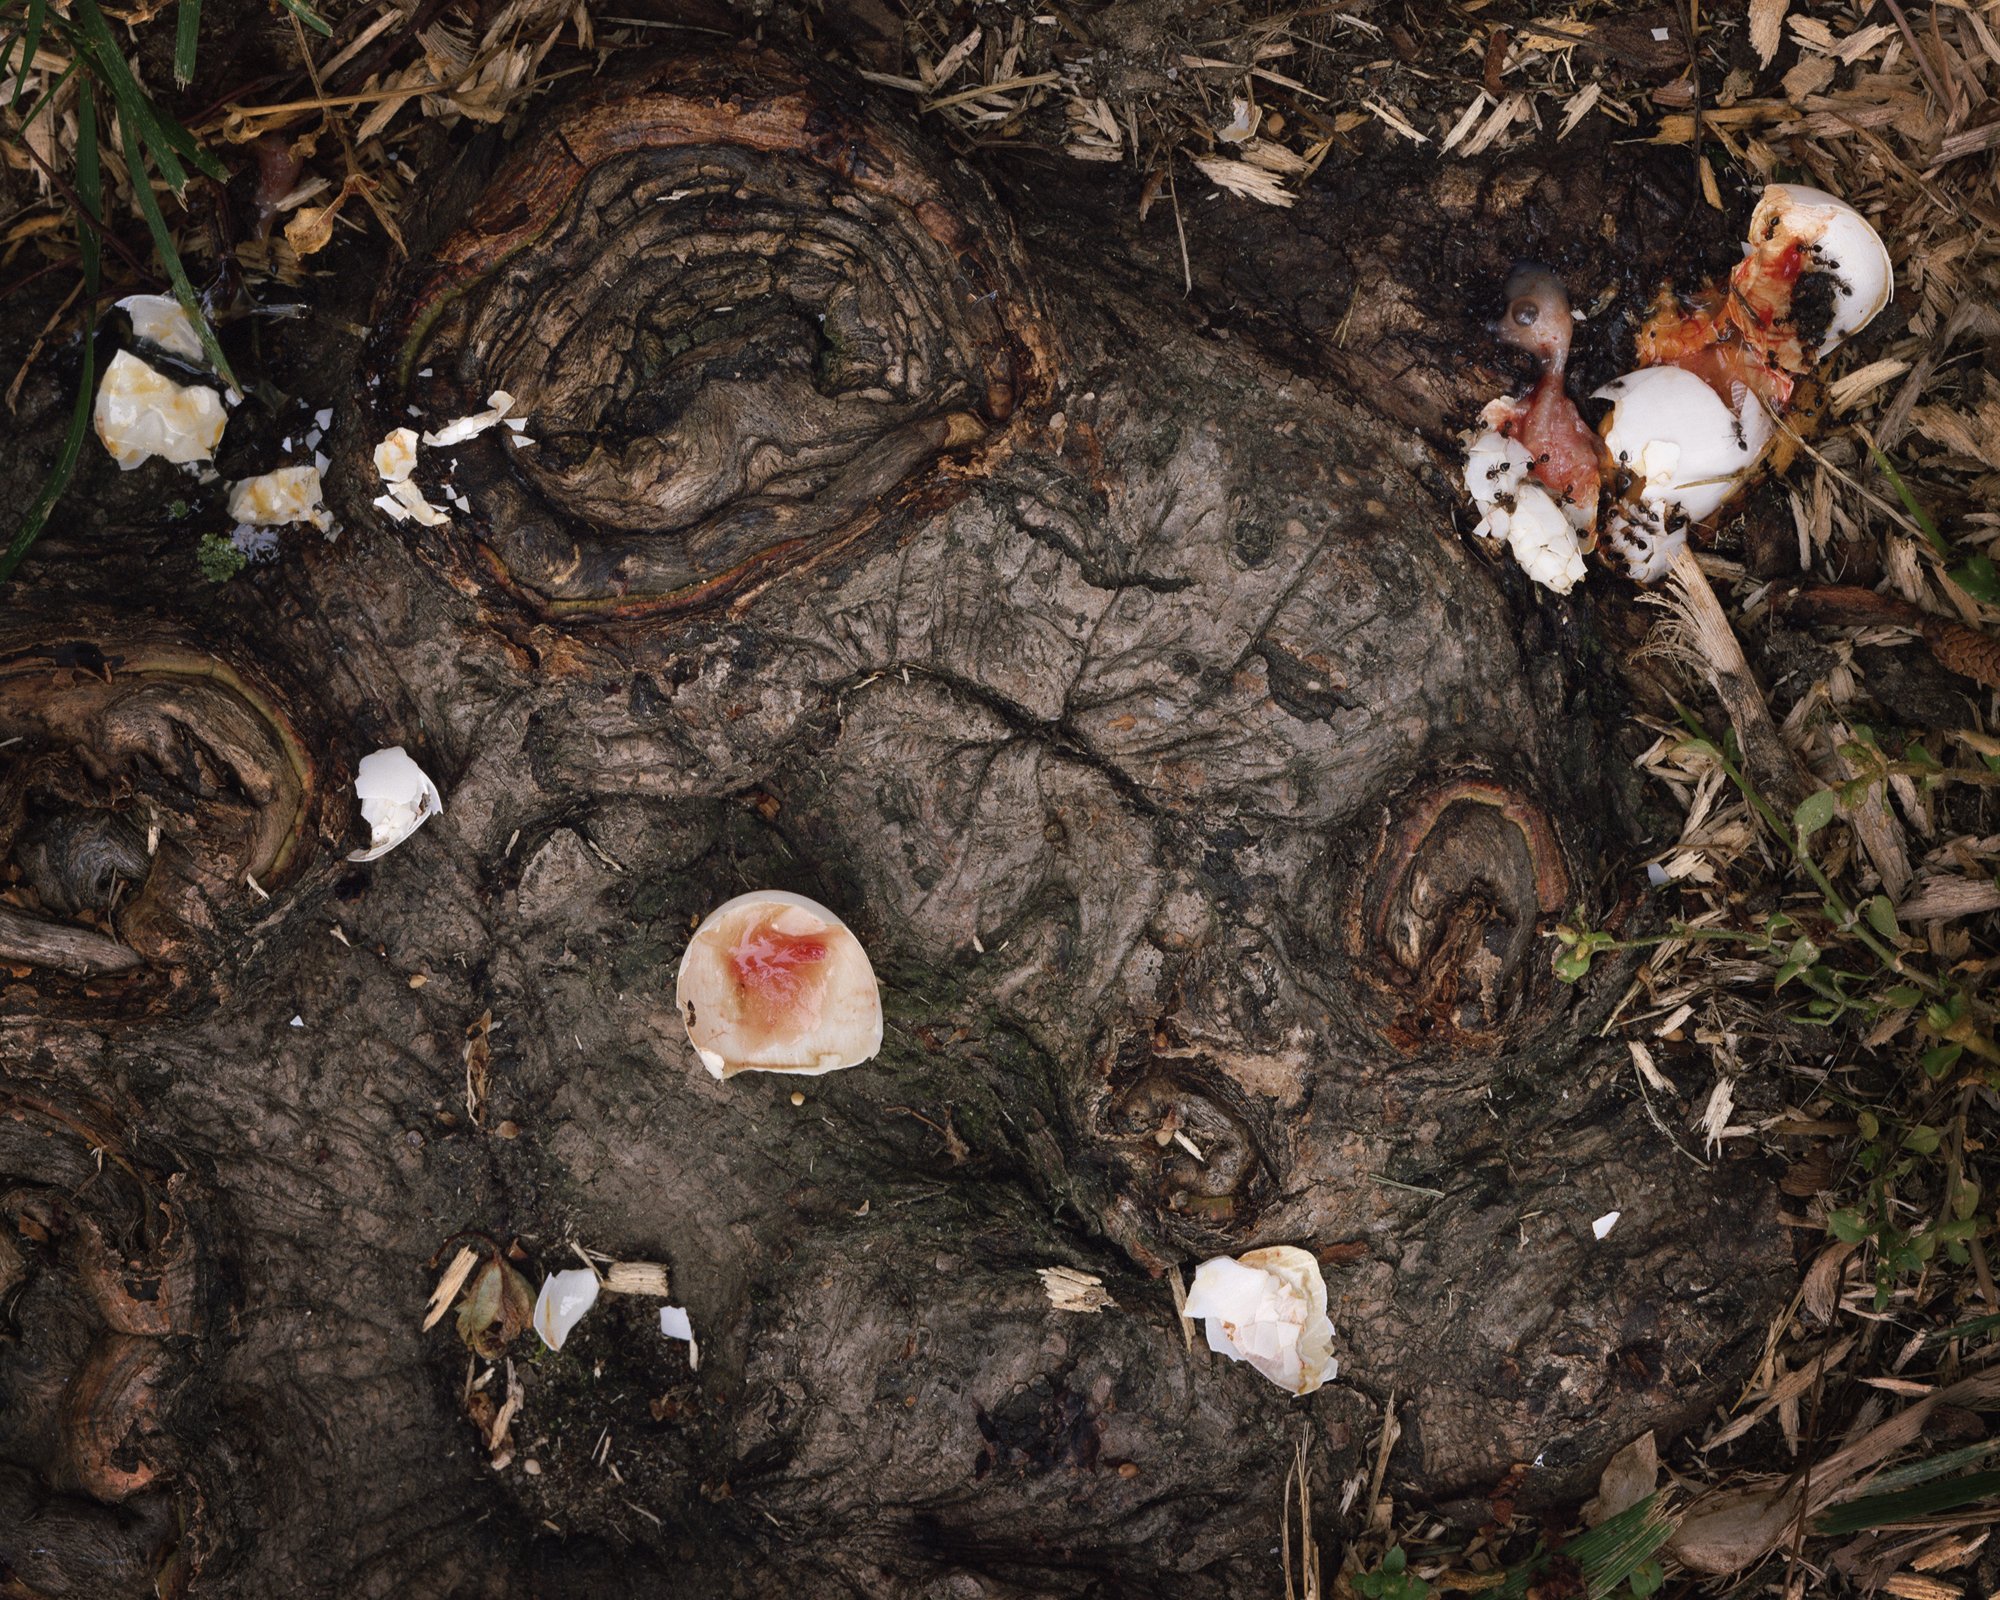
{"x":1566,"y":450}
{"x":780,"y":977}
{"x":1547,"y":423}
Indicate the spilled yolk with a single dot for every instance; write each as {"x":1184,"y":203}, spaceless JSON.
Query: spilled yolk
{"x":780,"y":978}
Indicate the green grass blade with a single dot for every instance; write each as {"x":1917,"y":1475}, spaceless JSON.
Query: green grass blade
{"x":166,"y":138}
{"x":1608,"y":1554}
{"x":311,"y":18}
{"x":1921,"y":517}
{"x":163,"y":242}
{"x":1932,"y":1467}
{"x":1967,"y":1330}
{"x":187,"y":34}
{"x":31,"y":41}
{"x":49,"y":98}
{"x":65,"y":468}
{"x":1879,"y":1510}
{"x":90,"y":189}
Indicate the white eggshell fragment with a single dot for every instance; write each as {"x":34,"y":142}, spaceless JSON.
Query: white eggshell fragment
{"x":290,"y":494}
{"x":1495,"y":466}
{"x":1268,"y":1307}
{"x":1603,"y":1225}
{"x":396,"y":455}
{"x":674,"y":1324}
{"x":457,"y":431}
{"x":397,"y":798}
{"x":564,"y":1299}
{"x":1638,"y":540}
{"x":1688,"y":450}
{"x":1540,"y":533}
{"x":161,"y":320}
{"x":1543,"y":540}
{"x":1841,"y":242}
{"x":141,"y":412}
{"x":774,"y":982}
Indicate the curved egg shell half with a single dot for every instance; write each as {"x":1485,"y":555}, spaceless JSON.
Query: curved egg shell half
{"x":1684,"y":446}
{"x":1841,"y":242}
{"x":775,"y":982}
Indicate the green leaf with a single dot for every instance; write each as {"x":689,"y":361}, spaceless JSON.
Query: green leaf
{"x":1902,"y":996}
{"x":1814,"y":813}
{"x":1923,"y":1139}
{"x":1975,"y":575}
{"x":1848,"y":1226}
{"x":1646,"y":1579}
{"x":1869,"y":1124}
{"x":1882,"y":917}
{"x":309,"y":17}
{"x":187,"y":33}
{"x":1941,"y":1060}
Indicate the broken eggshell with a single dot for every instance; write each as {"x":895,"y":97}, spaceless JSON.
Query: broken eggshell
{"x":141,"y":412}
{"x":1524,"y":515}
{"x":1830,"y":236}
{"x":160,"y":319}
{"x":275,"y":499}
{"x":561,"y":1305}
{"x":774,"y":982}
{"x":1687,"y":451}
{"x":1268,"y":1307}
{"x":397,"y":798}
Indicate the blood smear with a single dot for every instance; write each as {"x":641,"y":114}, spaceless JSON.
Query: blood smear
{"x":780,"y":974}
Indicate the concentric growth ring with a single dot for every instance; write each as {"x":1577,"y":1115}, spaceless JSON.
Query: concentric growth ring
{"x":738,"y":325}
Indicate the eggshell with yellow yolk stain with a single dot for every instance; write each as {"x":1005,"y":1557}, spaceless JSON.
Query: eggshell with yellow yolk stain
{"x":775,"y":982}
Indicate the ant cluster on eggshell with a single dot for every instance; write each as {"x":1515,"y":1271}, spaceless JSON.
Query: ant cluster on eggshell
{"x":1687,"y":428}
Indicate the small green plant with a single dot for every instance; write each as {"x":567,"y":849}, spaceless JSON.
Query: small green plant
{"x":1893,"y":1157}
{"x":1393,"y":1580}
{"x":218,"y":559}
{"x":1853,"y":961}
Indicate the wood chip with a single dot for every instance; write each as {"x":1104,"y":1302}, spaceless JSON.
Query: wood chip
{"x":637,"y":1277}
{"x":1767,"y":28}
{"x":1070,"y":1290}
{"x":449,"y":1285}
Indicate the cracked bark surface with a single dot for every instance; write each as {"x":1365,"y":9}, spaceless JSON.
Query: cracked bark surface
{"x":1125,"y":687}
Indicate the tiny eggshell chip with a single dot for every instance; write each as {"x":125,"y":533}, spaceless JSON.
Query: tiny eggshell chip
{"x":397,"y":798}
{"x":1841,"y":242}
{"x":1268,"y":1307}
{"x":774,"y":982}
{"x":561,"y":1305}
{"x":1688,"y":450}
{"x":141,"y":412}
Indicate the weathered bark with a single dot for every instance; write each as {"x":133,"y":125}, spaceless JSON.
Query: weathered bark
{"x":1130,"y":693}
